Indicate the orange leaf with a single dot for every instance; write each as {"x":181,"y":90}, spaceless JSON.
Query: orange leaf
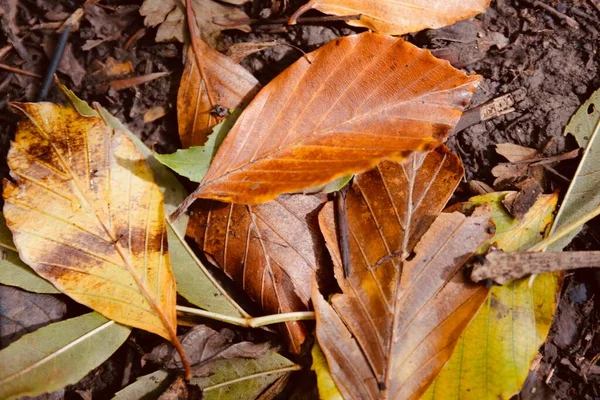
{"x":271,"y":251}
{"x":86,"y":214}
{"x":395,"y":17}
{"x":218,"y":82}
{"x":359,"y":100}
{"x":404,"y":305}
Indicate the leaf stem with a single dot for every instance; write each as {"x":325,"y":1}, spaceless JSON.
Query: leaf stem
{"x":257,"y":375}
{"x":250,"y":322}
{"x":559,"y":234}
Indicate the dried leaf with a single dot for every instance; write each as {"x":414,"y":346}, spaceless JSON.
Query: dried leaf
{"x":271,"y":251}
{"x":508,"y":174}
{"x":238,"y":51}
{"x":319,"y":121}
{"x":397,"y":329}
{"x":154,"y":113}
{"x":327,"y":388}
{"x":218,"y":84}
{"x":583,"y":194}
{"x":51,"y":357}
{"x":13,"y":271}
{"x":513,"y":322}
{"x":204,"y":345}
{"x":170,"y":14}
{"x":145,"y":387}
{"x":193,"y":162}
{"x":71,"y":215}
{"x":194,"y":281}
{"x":23,"y":312}
{"x":398,"y":17}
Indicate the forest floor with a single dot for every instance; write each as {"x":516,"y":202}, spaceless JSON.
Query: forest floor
{"x":547,"y":64}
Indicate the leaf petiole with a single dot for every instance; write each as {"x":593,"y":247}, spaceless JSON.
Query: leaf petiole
{"x":250,"y":322}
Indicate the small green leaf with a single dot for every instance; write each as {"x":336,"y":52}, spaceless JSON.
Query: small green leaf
{"x":58,"y":355}
{"x":583,"y":194}
{"x":193,"y":162}
{"x":338,"y":184}
{"x":194,"y":281}
{"x":244,"y":379}
{"x":147,"y":387}
{"x":13,"y":271}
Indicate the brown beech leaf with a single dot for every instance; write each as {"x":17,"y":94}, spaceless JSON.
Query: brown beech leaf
{"x":404,"y":305}
{"x":270,"y":250}
{"x":347,"y":106}
{"x":397,"y":17}
{"x":219,"y":83}
{"x":86,"y":214}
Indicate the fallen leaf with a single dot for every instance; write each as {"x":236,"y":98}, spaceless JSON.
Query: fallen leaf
{"x":513,"y":322}
{"x":271,"y":251}
{"x":145,"y":387}
{"x":398,"y":17}
{"x":180,"y":391}
{"x":219,"y":82}
{"x":69,"y":65}
{"x":583,"y":194}
{"x":319,"y":121}
{"x":520,"y":202}
{"x":69,"y":209}
{"x":507,"y":174}
{"x":325,"y":383}
{"x":404,"y":302}
{"x":121,"y":84}
{"x":51,"y":357}
{"x":170,"y":15}
{"x":193,"y":162}
{"x":23,"y":312}
{"x":194,"y":281}
{"x":108,"y":27}
{"x":154,"y":113}
{"x":112,"y":68}
{"x":238,"y":51}
{"x":13,"y":271}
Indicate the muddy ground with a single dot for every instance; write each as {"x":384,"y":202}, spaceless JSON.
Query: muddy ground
{"x":546,"y":60}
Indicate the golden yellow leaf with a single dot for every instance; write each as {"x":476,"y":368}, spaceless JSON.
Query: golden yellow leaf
{"x":397,"y":17}
{"x":492,"y":358}
{"x":86,"y":214}
{"x":361,"y":99}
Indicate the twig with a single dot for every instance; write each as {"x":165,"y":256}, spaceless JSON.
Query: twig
{"x":250,"y":322}
{"x":230,"y":22}
{"x":136,"y":36}
{"x":596,"y":5}
{"x":570,"y":21}
{"x":19,"y":71}
{"x":121,"y":84}
{"x":343,"y":231}
{"x":58,"y":52}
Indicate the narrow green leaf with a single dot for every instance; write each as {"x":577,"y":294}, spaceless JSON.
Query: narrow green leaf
{"x":58,"y":355}
{"x":194,"y":281}
{"x":244,"y":379}
{"x":193,"y":162}
{"x":13,"y":271}
{"x":583,"y":194}
{"x":338,"y":184}
{"x":147,"y":387}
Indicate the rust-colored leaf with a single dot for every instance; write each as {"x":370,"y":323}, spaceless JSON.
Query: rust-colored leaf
{"x":86,"y":214}
{"x":397,"y":17}
{"x":359,"y":100}
{"x":219,"y":84}
{"x":404,"y":305}
{"x":271,"y":251}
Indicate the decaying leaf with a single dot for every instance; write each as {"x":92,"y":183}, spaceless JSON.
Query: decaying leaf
{"x":361,"y":99}
{"x":507,"y":174}
{"x":86,"y":214}
{"x":583,"y":194}
{"x":51,"y":357}
{"x":404,"y":304}
{"x":193,"y":162}
{"x":398,"y":17}
{"x":272,"y":251}
{"x":238,"y":51}
{"x":218,"y":84}
{"x":194,"y":281}
{"x":513,"y":322}
{"x":170,"y":14}
{"x":204,"y":345}
{"x":145,"y":387}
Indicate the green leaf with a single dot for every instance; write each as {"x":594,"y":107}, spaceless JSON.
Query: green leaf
{"x":325,"y":383}
{"x":244,"y":379}
{"x":194,"y":282}
{"x":492,"y":358}
{"x":58,"y":355}
{"x":338,"y":184}
{"x":147,"y":387}
{"x":13,"y":271}
{"x":193,"y":162}
{"x":583,"y":194}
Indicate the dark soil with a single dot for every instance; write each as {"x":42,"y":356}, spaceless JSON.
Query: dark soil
{"x":517,"y":47}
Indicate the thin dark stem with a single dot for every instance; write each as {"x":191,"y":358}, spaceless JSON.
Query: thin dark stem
{"x":58,"y":52}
